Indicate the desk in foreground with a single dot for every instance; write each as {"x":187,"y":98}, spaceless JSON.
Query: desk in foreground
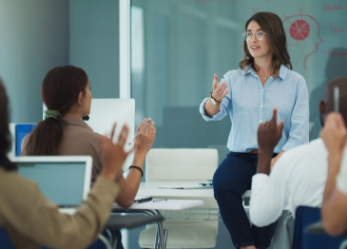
{"x":131,"y":221}
{"x":163,"y":204}
{"x":152,"y":208}
{"x":207,"y":195}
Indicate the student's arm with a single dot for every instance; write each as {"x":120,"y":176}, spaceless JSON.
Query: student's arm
{"x":268,"y":198}
{"x":31,"y":215}
{"x":268,"y":192}
{"x":334,"y":214}
{"x":143,"y":143}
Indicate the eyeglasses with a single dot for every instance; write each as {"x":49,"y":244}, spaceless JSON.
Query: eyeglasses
{"x":258,"y":35}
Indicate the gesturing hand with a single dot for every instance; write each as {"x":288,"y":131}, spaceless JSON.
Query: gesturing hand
{"x":113,"y":155}
{"x":219,"y":90}
{"x":146,"y":135}
{"x":334,"y":133}
{"x":269,"y":133}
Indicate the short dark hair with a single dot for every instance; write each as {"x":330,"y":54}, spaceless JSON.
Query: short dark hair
{"x":5,"y":135}
{"x":272,"y":25}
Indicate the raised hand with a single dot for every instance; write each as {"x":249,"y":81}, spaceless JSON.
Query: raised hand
{"x":219,"y":90}
{"x":113,"y":155}
{"x":145,"y":136}
{"x":334,"y":133}
{"x":269,"y":133}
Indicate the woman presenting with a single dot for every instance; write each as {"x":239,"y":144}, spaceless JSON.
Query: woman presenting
{"x":263,"y":81}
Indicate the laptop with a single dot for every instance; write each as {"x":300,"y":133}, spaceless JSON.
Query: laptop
{"x":64,"y":180}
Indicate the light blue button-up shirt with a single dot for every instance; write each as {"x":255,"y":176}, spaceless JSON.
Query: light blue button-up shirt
{"x":249,"y":103}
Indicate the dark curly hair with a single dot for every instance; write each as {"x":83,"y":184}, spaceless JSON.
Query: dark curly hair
{"x":5,"y":135}
{"x":272,"y":25}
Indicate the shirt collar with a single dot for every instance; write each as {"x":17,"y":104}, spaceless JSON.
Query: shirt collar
{"x":283,"y":71}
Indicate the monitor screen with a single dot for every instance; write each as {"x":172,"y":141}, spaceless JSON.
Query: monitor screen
{"x":60,"y":182}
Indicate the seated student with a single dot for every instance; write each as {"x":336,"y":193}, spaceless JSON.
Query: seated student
{"x":334,"y":208}
{"x":66,"y":93}
{"x":32,"y":221}
{"x":299,"y":176}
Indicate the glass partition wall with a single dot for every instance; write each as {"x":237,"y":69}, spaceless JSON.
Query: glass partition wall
{"x":177,"y":46}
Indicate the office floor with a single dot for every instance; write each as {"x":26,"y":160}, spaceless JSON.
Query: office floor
{"x":223,"y":238}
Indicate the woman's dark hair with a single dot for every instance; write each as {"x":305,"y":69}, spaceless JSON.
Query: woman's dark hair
{"x":272,"y":25}
{"x":5,"y":135}
{"x":60,"y":90}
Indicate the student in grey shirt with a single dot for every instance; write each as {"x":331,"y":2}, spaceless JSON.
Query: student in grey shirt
{"x":66,"y":93}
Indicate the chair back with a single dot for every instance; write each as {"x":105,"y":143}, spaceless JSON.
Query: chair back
{"x":5,"y":241}
{"x":305,"y":216}
{"x":181,"y":164}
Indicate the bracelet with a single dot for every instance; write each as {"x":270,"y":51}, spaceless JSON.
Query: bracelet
{"x":138,"y":168}
{"x":216,"y":101}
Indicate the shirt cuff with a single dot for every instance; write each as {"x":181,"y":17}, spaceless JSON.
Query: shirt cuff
{"x":203,"y":113}
{"x":259,"y":180}
{"x":288,"y":146}
{"x":106,"y":186}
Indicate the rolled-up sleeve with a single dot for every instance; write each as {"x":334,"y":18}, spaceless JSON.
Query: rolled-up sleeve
{"x":268,"y":197}
{"x":299,"y":127}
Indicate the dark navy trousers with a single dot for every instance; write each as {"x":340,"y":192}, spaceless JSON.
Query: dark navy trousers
{"x":230,"y":181}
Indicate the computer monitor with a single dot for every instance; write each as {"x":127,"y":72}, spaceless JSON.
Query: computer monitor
{"x":65,"y":180}
{"x":105,"y":112}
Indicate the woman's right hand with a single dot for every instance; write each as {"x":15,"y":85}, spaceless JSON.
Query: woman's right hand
{"x":219,"y":90}
{"x":145,"y":136}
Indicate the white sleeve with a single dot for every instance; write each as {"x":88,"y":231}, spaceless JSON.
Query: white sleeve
{"x":269,"y":193}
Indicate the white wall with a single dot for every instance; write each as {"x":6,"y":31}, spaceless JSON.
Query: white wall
{"x":94,"y":43}
{"x":34,"y":38}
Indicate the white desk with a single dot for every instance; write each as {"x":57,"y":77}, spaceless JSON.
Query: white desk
{"x":153,"y":207}
{"x":151,"y":189}
{"x":162,"y":204}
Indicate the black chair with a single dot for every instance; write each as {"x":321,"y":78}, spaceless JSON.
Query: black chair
{"x":317,"y":228}
{"x":305,"y":216}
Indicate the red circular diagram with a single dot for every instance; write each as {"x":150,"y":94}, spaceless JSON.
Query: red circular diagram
{"x":299,"y":30}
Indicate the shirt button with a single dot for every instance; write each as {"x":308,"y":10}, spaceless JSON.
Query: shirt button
{"x":262,"y":89}
{"x":261,"y":105}
{"x":259,"y":121}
